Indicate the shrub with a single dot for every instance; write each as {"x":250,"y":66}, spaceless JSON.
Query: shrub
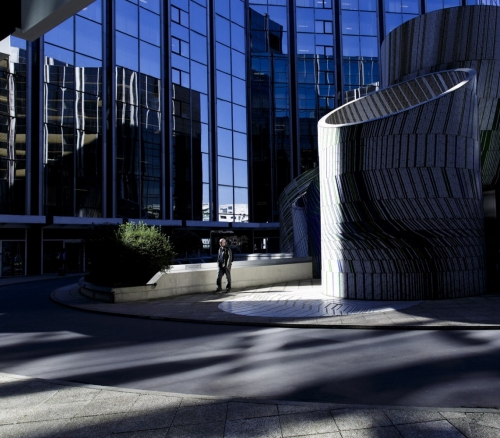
{"x":127,"y":255}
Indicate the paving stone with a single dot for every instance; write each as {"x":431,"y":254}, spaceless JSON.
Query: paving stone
{"x":205,"y":430}
{"x":292,"y":409}
{"x":31,"y":430}
{"x":453,"y":414}
{"x":431,"y":429}
{"x":382,"y":432}
{"x":462,"y":424}
{"x":348,"y":419}
{"x":147,"y":401}
{"x":322,"y":435}
{"x":195,"y":401}
{"x":23,"y":400}
{"x":490,"y":420}
{"x":203,"y":413}
{"x":268,"y":427}
{"x":109,"y":402}
{"x":157,"y":433}
{"x":143,"y":420}
{"x":240,"y":410}
{"x":480,"y":431}
{"x":90,"y":427}
{"x":52,"y":412}
{"x":307,"y":423}
{"x":407,"y":416}
{"x":10,"y":416}
{"x":70,"y":394}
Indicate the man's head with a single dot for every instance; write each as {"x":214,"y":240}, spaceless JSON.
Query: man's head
{"x":222,"y":242}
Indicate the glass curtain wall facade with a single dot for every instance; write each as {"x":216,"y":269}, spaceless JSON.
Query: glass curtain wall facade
{"x":179,"y":112}
{"x":13,"y":149}
{"x":72,"y":116}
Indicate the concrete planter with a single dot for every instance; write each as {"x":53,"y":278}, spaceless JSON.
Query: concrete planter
{"x":200,"y":278}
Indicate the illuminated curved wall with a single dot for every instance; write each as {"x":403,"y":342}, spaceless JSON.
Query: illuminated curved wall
{"x":400,"y":188}
{"x":461,"y":37}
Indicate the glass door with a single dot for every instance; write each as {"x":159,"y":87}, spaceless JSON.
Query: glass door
{"x":13,"y":258}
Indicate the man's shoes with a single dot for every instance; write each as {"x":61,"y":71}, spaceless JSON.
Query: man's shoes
{"x":228,"y":289}
{"x":217,"y":290}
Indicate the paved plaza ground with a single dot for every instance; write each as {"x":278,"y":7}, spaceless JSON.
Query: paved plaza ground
{"x":31,"y":407}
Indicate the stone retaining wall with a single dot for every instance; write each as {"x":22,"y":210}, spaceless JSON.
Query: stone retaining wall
{"x":187,"y":279}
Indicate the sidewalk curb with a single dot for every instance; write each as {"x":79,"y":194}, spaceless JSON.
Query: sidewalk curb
{"x":259,"y":400}
{"x":294,"y":325}
{"x":31,"y":279}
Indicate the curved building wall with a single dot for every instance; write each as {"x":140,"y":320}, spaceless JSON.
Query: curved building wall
{"x":461,"y":37}
{"x":313,"y":213}
{"x":292,"y":192}
{"x":400,"y":187}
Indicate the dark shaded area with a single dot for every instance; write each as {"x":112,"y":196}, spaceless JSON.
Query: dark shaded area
{"x":390,"y":367}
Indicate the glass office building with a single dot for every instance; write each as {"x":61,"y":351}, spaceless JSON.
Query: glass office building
{"x":186,"y":114}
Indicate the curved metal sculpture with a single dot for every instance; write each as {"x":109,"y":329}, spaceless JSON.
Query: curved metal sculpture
{"x":289,"y":234}
{"x":400,"y":184}
{"x":460,"y":37}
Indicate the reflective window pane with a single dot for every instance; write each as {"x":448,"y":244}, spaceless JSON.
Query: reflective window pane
{"x":223,"y":85}
{"x":204,"y":108}
{"x":180,"y":32}
{"x":240,"y":145}
{"x":152,"y":5}
{"x":350,"y":4}
{"x":410,"y":6}
{"x":350,"y":23}
{"x":393,"y":6}
{"x":305,"y":20}
{"x":225,"y":171}
{"x":199,"y":73}
{"x":127,"y":51}
{"x":224,"y":142}
{"x":238,"y":64}
{"x":183,"y":4}
{"x":369,"y":46}
{"x":392,"y":21}
{"x":238,"y":12}
{"x":240,"y":173}
{"x":224,"y":115}
{"x":126,"y":17}
{"x":85,"y":61}
{"x":222,"y":7}
{"x":59,"y":54}
{"x":198,"y":17}
{"x":204,"y":137}
{"x":149,"y":27}
{"x":239,"y":91}
{"x":351,"y":46}
{"x":278,"y":15}
{"x":88,"y":38}
{"x":305,"y":44}
{"x":369,"y":23}
{"x":225,"y":200}
{"x":222,"y":31}
{"x":205,"y":168}
{"x":62,"y":35}
{"x":241,"y":204}
{"x":200,"y":43}
{"x":223,"y":58}
{"x":239,"y":118}
{"x":150,"y":60}
{"x":237,"y":37}
{"x":92,"y":11}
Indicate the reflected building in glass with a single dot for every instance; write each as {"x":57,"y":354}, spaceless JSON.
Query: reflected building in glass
{"x":186,"y":114}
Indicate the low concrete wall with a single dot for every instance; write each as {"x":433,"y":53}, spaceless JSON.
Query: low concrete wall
{"x":196,"y":278}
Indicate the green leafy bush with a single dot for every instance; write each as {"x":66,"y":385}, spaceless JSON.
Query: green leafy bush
{"x":127,"y":255}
